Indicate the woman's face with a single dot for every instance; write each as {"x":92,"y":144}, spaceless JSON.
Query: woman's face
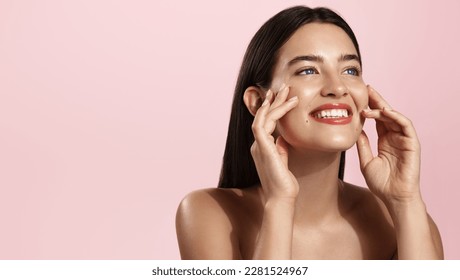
{"x":320,"y":65}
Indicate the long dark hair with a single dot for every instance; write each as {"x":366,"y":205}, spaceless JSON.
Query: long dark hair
{"x":238,"y":168}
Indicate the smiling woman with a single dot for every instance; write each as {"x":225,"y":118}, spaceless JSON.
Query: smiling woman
{"x":320,"y":65}
{"x":300,"y":102}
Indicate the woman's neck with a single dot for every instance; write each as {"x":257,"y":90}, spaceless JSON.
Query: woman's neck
{"x":319,"y":186}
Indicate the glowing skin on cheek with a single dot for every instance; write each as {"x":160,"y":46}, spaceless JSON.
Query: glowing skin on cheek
{"x":299,"y":128}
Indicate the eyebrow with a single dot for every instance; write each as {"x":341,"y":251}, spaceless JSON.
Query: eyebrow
{"x":348,"y":57}
{"x":318,"y":58}
{"x":315,"y":58}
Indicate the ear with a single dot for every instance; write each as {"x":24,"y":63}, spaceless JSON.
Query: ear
{"x":253,"y":98}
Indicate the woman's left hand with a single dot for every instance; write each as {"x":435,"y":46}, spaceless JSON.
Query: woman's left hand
{"x":394,"y":174}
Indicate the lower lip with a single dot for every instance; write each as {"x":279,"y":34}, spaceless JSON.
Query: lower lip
{"x":334,"y":121}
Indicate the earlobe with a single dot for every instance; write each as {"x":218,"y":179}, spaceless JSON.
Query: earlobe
{"x":253,"y":98}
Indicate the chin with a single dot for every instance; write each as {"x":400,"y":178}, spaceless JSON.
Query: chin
{"x":330,"y":143}
{"x":342,"y":143}
{"x":335,"y":147}
{"x":330,"y":147}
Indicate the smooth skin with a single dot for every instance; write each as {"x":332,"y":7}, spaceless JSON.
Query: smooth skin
{"x":301,"y":210}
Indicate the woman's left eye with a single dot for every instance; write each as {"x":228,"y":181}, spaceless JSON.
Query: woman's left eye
{"x":308,"y":71}
{"x":352,"y":71}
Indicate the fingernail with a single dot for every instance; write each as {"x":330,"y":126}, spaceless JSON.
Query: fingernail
{"x":294,"y":98}
{"x":367,"y":110}
{"x":282,"y":87}
{"x":268,"y":95}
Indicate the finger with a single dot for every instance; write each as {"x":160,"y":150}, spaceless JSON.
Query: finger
{"x":405,"y":125}
{"x":376,"y":101}
{"x":270,"y":96}
{"x":364,"y":150}
{"x":381,"y":122}
{"x":280,"y":98}
{"x":379,"y":116}
{"x":282,"y":147}
{"x":279,"y":112}
{"x":376,"y":114}
{"x":259,"y":118}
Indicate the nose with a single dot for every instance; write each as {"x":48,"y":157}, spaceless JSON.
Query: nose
{"x":334,"y":87}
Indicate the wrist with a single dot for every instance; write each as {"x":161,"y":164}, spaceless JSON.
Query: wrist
{"x":280,"y":206}
{"x":405,"y":197}
{"x":280,"y":202}
{"x":402,"y":208}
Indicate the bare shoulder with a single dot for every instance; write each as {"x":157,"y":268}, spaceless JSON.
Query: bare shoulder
{"x":205,"y":202}
{"x":214,"y":203}
{"x":206,"y":223}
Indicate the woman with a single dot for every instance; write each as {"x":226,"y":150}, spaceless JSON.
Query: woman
{"x":300,"y":101}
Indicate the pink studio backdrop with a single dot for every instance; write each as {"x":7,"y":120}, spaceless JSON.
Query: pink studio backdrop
{"x":111,"y":111}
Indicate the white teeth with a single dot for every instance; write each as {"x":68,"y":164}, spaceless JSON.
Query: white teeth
{"x":334,"y":113}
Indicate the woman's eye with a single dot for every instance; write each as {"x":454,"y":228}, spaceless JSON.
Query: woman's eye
{"x":352,"y":71}
{"x":308,"y":71}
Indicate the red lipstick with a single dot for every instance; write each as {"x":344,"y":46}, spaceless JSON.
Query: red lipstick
{"x":333,"y":113}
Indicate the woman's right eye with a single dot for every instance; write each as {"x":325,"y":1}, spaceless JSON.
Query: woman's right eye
{"x":308,"y":71}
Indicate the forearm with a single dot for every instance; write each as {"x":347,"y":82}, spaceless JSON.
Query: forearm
{"x":275,"y":237}
{"x":414,"y":234}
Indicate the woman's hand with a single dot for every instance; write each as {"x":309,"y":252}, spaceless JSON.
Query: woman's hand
{"x":394,"y":174}
{"x":270,"y":157}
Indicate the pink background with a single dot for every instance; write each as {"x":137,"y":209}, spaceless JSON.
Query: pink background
{"x":111,"y":111}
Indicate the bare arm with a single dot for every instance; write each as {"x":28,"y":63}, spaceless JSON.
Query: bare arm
{"x":394,"y":176}
{"x":416,"y":233}
{"x":280,"y":187}
{"x":275,"y":237}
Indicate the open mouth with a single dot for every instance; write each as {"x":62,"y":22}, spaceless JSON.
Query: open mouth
{"x":333,"y":113}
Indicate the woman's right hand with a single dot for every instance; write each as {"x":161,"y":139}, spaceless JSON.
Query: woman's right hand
{"x":270,"y":156}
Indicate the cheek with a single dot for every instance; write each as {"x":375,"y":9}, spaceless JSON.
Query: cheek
{"x":360,"y":97}
{"x":363,"y":102}
{"x":300,"y":131}
{"x":292,"y":124}
{"x":291,"y":120}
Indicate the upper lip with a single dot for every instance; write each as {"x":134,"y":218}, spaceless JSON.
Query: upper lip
{"x":330,"y":106}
